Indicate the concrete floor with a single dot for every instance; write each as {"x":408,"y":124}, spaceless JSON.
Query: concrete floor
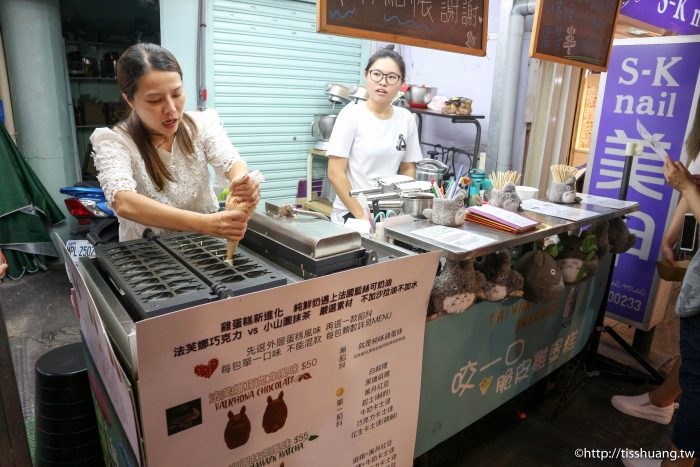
{"x":39,"y":317}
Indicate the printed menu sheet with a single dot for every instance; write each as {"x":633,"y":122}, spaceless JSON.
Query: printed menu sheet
{"x":606,"y":202}
{"x":557,"y":210}
{"x":321,"y":372}
{"x":455,"y":237}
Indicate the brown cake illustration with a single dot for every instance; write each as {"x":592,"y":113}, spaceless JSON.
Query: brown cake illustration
{"x":238,"y":429}
{"x":275,"y":414}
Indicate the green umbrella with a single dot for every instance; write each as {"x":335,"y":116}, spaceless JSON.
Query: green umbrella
{"x":27,"y":212}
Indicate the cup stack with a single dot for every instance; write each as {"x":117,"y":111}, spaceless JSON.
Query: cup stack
{"x":66,"y":429}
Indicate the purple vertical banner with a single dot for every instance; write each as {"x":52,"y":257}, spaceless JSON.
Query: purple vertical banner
{"x":679,"y":16}
{"x":654,"y":81}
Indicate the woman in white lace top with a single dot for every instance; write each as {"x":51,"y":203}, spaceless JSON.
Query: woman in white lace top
{"x":152,"y":166}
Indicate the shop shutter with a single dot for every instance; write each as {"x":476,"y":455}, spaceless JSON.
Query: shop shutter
{"x":267,"y":70}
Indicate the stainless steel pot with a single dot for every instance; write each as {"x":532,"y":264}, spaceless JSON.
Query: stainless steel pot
{"x":414,"y":203}
{"x":429,"y":169}
{"x":322,"y":126}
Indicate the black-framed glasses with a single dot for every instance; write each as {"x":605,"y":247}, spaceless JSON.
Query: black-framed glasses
{"x":377,"y":76}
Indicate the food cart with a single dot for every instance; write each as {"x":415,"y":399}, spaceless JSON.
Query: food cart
{"x":334,"y":358}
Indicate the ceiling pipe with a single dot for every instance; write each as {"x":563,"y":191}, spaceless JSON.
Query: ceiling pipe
{"x":516,"y":31}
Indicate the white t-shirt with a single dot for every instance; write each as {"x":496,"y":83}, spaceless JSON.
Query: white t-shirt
{"x":120,"y":167}
{"x":374,"y":147}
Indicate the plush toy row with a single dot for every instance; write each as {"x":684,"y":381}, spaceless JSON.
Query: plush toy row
{"x":538,"y":276}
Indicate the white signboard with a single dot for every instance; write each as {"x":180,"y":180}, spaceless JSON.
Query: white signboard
{"x":322,"y":372}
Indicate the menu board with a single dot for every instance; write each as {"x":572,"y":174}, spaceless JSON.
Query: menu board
{"x":587,"y":112}
{"x":453,"y":25}
{"x":321,"y":372}
{"x":575,"y":33}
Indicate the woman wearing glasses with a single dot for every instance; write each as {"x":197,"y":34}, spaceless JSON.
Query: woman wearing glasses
{"x":372,"y":139}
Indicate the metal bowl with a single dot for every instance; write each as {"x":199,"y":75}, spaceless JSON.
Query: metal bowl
{"x":337,"y":93}
{"x":359,"y":93}
{"x":419,"y":96}
{"x":414,"y":203}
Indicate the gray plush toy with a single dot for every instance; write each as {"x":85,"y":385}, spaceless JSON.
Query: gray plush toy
{"x":600,"y":230}
{"x":575,"y":256}
{"x":456,"y":288}
{"x":500,"y":280}
{"x":506,"y":198}
{"x":447,"y":211}
{"x":543,"y":281}
{"x":619,"y":236}
{"x":562,"y":192}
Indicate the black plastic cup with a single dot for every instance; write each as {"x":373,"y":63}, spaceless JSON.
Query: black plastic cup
{"x":62,"y":368}
{"x":93,"y":461}
{"x":61,"y":411}
{"x":70,"y":455}
{"x":66,"y":430}
{"x":68,"y":395}
{"x":68,"y":439}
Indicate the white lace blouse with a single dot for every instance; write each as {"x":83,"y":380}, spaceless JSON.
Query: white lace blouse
{"x":120,"y":167}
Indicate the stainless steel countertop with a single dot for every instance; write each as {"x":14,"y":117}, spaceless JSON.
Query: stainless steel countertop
{"x":548,"y":226}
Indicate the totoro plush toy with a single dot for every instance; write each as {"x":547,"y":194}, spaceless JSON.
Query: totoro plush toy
{"x":456,"y":288}
{"x":619,"y":236}
{"x":575,"y":255}
{"x":507,"y":198}
{"x":237,"y":430}
{"x":543,"y":281}
{"x":500,"y":280}
{"x":448,"y":212}
{"x":563,"y":192}
{"x":600,"y":230}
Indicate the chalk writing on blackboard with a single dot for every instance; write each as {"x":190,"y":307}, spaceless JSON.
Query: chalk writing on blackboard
{"x":575,"y":32}
{"x":455,"y":25}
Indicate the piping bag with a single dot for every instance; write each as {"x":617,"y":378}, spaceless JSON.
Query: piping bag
{"x":232,"y":204}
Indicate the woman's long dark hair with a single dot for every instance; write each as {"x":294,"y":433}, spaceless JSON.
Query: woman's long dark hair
{"x":136,"y":61}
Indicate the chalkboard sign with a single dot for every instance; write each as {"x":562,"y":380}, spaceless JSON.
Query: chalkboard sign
{"x":575,"y":32}
{"x":452,"y":25}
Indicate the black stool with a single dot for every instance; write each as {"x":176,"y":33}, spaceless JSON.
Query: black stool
{"x":66,"y":429}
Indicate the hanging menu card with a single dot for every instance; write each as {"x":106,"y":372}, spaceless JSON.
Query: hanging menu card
{"x":574,"y":32}
{"x":452,"y":25}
